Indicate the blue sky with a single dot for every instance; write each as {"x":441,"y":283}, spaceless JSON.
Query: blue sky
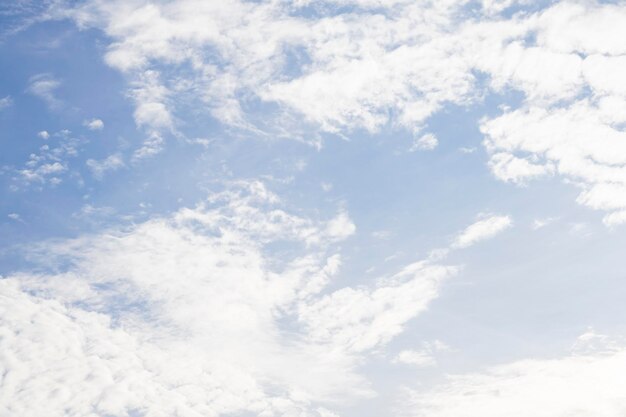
{"x":331,"y":208}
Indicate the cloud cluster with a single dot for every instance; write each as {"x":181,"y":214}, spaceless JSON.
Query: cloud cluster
{"x":50,"y":165}
{"x":347,"y":65}
{"x":203,"y":312}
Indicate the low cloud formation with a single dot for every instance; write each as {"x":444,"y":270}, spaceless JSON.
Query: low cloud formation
{"x":186,"y":315}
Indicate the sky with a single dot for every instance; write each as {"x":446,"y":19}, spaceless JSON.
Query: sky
{"x":354,"y":208}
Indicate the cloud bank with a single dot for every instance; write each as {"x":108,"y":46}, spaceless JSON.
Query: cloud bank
{"x":197,"y":314}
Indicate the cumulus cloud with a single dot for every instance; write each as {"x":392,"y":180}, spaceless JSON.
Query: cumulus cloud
{"x":340,"y":227}
{"x":578,"y":138}
{"x":338,"y":87}
{"x":94,"y":124}
{"x":51,"y":163}
{"x":186,"y":314}
{"x":42,"y":172}
{"x":385,"y":63}
{"x":482,"y":230}
{"x":508,"y":167}
{"x":560,"y":140}
{"x":177,"y":315}
{"x":151,"y":98}
{"x":202,"y":312}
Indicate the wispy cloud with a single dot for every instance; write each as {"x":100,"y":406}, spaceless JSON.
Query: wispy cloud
{"x":424,"y":357}
{"x":482,"y":230}
{"x":44,"y":87}
{"x":5,"y":102}
{"x":108,"y":164}
{"x":426,"y":142}
{"x":566,"y":385}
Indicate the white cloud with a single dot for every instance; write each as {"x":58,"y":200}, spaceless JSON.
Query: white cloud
{"x":387,"y":63}
{"x":416,"y":358}
{"x":426,"y":142}
{"x":152,"y":145}
{"x":580,"y":229}
{"x":176,"y":315}
{"x":50,"y":165}
{"x":560,"y":140}
{"x":541,"y":223}
{"x":52,"y":168}
{"x":44,"y":87}
{"x":482,"y":230}
{"x":361,"y":319}
{"x":467,"y":150}
{"x":508,"y":167}
{"x":94,"y":124}
{"x":357,"y":320}
{"x":382,"y":234}
{"x":615,"y":218}
{"x":580,"y":138}
{"x":340,"y":227}
{"x":197,"y":312}
{"x":425,"y":357}
{"x":587,"y":384}
{"x":110,"y":163}
{"x":15,"y":216}
{"x":231,"y":55}
{"x":42,"y":172}
{"x":90,"y":212}
{"x":5,"y":102}
{"x":151,"y":98}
